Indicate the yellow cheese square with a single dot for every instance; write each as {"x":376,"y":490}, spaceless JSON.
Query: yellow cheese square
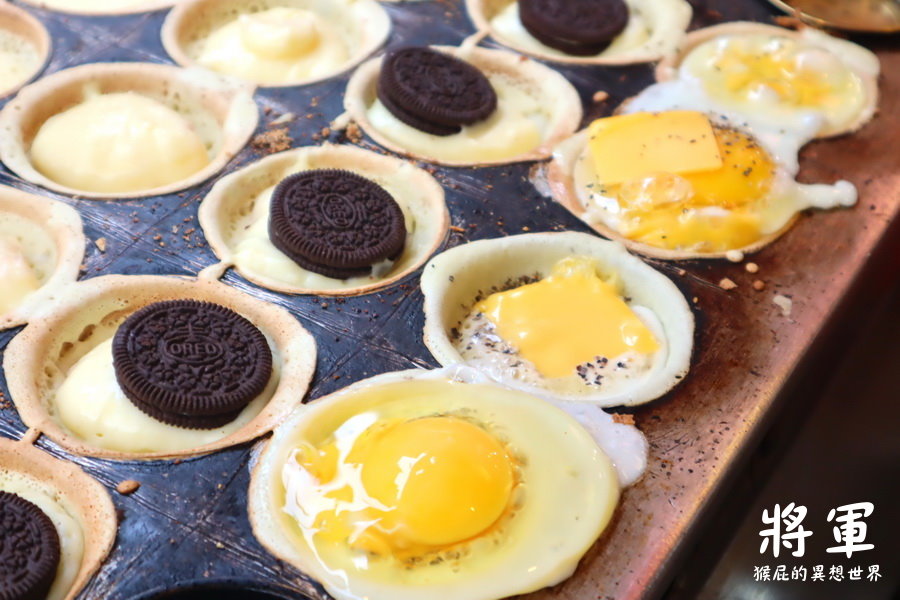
{"x":633,"y":146}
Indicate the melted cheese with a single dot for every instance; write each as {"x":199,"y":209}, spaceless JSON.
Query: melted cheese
{"x":120,"y":142}
{"x":16,"y":273}
{"x":567,"y":319}
{"x":710,"y":210}
{"x":628,"y":147}
{"x":91,"y":405}
{"x":275,"y":46}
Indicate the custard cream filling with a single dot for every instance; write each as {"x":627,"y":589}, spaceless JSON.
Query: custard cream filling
{"x":275,"y":46}
{"x":119,"y":142}
{"x":516,"y":127}
{"x":19,"y":59}
{"x":18,"y":276}
{"x":71,"y":536}
{"x":92,"y":406}
{"x":572,"y":331}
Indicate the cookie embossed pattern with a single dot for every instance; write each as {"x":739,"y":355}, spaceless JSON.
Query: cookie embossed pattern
{"x":188,"y":521}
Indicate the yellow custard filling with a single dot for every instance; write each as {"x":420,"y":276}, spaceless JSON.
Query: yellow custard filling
{"x":120,"y":142}
{"x":275,"y":46}
{"x":16,"y":274}
{"x":567,"y":319}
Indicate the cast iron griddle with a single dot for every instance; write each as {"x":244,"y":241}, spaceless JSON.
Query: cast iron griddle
{"x":188,"y":519}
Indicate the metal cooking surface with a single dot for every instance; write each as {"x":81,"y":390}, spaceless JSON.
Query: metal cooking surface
{"x":188,"y":520}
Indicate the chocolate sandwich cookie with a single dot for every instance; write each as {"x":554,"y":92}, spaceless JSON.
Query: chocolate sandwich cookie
{"x":433,"y":91}
{"x":335,"y":223}
{"x":578,"y":27}
{"x":29,"y":550}
{"x":191,"y":364}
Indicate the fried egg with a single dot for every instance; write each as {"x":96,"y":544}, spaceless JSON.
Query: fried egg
{"x":418,"y":483}
{"x":560,"y":313}
{"x":779,"y":75}
{"x":689,"y":183}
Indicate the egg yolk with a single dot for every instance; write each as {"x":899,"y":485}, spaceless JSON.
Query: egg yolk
{"x":407,"y":488}
{"x":755,"y":67}
{"x":17,"y":275}
{"x":567,"y":319}
{"x":707,"y":209}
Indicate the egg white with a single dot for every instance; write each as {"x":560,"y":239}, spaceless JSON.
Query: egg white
{"x":568,"y":494}
{"x":454,"y":279}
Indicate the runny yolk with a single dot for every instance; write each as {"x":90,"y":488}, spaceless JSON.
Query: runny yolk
{"x":410,"y":487}
{"x":802,"y":76}
{"x":567,"y":319}
{"x":707,"y":209}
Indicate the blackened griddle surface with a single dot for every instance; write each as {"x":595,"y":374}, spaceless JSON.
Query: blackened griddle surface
{"x":188,"y":520}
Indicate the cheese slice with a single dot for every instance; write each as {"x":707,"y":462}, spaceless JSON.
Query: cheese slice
{"x":633,"y":146}
{"x":567,"y":319}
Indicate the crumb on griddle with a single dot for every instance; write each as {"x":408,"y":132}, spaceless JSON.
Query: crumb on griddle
{"x":274,"y":140}
{"x":353,"y":133}
{"x":101,"y":244}
{"x":600,"y":96}
{"x":784,"y":303}
{"x":623,"y":419}
{"x":759,"y":285}
{"x":752,"y":267}
{"x":727,"y":284}
{"x":129,"y":486}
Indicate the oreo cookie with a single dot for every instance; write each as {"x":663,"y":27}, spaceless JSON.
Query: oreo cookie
{"x":29,"y":550}
{"x":578,"y":27}
{"x":335,"y":223}
{"x":433,"y":91}
{"x":191,"y":364}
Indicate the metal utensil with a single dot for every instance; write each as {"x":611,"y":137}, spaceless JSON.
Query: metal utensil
{"x":874,"y":16}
